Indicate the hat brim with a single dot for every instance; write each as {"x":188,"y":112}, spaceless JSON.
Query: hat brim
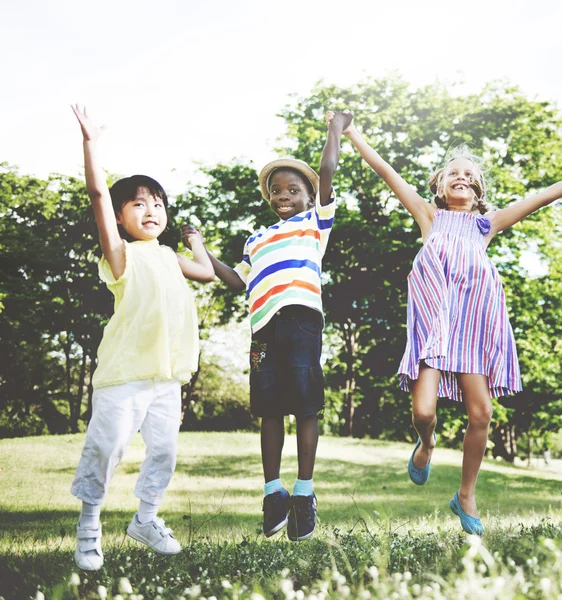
{"x":287,"y":163}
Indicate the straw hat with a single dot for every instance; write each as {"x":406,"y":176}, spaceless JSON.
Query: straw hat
{"x":287,"y":163}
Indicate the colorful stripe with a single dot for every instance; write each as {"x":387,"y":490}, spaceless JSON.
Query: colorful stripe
{"x":457,"y":315}
{"x":282,"y":265}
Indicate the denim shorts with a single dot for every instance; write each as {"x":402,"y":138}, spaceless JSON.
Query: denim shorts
{"x":285,"y":373}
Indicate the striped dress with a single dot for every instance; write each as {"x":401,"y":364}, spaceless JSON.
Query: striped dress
{"x":282,"y":265}
{"x":457,"y":316}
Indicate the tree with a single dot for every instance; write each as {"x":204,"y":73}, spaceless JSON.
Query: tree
{"x":375,"y":240}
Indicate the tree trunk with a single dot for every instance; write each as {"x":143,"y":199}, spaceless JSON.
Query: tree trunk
{"x":187,"y":392}
{"x":93,"y":364}
{"x":77,"y":400}
{"x":505,"y":445}
{"x":350,"y":381}
{"x":67,"y":346}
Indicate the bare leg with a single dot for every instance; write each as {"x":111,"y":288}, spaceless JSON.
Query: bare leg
{"x":307,"y":442}
{"x":476,"y":397}
{"x":424,"y":409}
{"x":272,"y":439}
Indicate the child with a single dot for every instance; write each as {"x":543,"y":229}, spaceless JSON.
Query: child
{"x":460,"y":344}
{"x":149,"y":348}
{"x":281,"y":271}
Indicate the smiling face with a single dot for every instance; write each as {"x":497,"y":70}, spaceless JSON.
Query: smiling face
{"x":289,"y":193}
{"x":144,"y":217}
{"x":460,"y":185}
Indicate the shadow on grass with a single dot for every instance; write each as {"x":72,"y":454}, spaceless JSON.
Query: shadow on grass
{"x":347,"y":491}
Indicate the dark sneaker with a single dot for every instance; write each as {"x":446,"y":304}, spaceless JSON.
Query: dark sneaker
{"x":302,"y":517}
{"x":275,"y":511}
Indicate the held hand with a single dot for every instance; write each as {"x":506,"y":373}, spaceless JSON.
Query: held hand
{"x":90,"y":131}
{"x":340,"y":120}
{"x":190,"y":234}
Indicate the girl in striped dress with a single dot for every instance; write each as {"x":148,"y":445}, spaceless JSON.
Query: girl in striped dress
{"x":460,"y":344}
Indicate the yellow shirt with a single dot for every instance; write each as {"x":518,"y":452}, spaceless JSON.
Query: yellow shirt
{"x":153,"y":331}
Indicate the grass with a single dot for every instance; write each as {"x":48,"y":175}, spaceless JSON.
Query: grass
{"x":370,"y":516}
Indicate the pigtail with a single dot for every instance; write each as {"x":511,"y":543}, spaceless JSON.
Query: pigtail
{"x":434,"y":183}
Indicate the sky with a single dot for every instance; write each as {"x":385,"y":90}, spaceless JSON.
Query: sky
{"x":183,"y":83}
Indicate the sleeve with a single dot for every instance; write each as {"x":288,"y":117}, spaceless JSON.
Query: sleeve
{"x":116,"y":286}
{"x":325,"y":218}
{"x":243,"y":268}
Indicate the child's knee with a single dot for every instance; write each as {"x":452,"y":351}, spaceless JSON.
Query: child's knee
{"x":422,"y":417}
{"x":480,"y":417}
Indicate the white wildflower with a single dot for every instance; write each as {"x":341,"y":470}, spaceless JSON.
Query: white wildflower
{"x":545,"y":583}
{"x":102,"y":592}
{"x":286,"y":585}
{"x":125,"y":586}
{"x":226,"y":584}
{"x":75,"y":579}
{"x":39,"y":595}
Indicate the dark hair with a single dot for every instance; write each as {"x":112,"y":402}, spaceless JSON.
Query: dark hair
{"x":125,"y":190}
{"x":301,"y":176}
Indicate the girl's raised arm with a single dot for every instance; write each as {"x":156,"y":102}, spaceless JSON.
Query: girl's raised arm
{"x":419,"y":208}
{"x":111,"y":243}
{"x":513,"y":213}
{"x":200,"y":268}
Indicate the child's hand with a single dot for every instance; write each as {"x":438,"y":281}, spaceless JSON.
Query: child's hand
{"x":340,"y":119}
{"x":190,"y":234}
{"x":90,"y":131}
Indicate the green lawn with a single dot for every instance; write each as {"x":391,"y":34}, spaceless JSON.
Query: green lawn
{"x":214,"y":502}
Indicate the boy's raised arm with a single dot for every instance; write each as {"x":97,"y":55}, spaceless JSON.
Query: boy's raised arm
{"x":96,"y":185}
{"x":337,"y":123}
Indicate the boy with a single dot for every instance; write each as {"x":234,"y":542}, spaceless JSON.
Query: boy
{"x":281,"y":272}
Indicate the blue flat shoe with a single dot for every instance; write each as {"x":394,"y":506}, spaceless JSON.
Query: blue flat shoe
{"x":469,"y":524}
{"x":419,"y":476}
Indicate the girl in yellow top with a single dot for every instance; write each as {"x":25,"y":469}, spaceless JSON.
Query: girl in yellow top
{"x":149,"y":348}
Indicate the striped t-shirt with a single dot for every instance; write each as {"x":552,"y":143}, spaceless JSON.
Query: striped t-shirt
{"x":282,"y":265}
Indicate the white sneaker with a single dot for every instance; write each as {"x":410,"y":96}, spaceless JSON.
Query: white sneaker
{"x":88,"y":554}
{"x":154,"y":534}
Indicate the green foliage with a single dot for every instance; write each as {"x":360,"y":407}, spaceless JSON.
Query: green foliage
{"x":374,"y":240}
{"x":53,"y":308}
{"x":218,"y":402}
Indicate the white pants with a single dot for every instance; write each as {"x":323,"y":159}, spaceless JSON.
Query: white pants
{"x":119,"y":411}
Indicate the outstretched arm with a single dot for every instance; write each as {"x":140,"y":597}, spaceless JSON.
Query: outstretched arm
{"x":200,"y":268}
{"x":337,"y":122}
{"x":111,"y":243}
{"x":419,"y":208}
{"x":513,"y":213}
{"x":222,"y":271}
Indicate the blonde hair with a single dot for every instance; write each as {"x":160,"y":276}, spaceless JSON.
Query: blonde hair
{"x":477,"y":183}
